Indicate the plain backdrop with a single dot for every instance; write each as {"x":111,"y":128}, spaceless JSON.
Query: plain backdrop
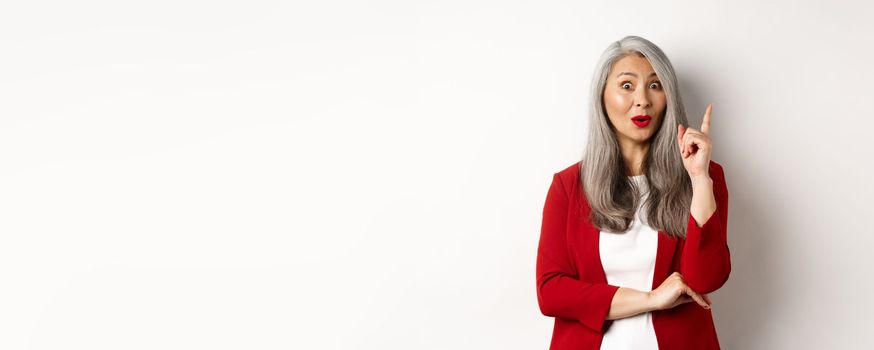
{"x":371,"y":174}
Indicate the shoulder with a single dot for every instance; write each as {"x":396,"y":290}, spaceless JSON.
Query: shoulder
{"x":569,"y":175}
{"x":571,"y":170}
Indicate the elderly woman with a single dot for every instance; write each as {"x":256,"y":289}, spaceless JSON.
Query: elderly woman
{"x":634,"y":235}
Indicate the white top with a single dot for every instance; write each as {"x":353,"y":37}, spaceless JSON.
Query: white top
{"x":629,"y":261}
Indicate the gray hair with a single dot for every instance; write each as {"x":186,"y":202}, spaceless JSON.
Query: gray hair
{"x":612,"y":196}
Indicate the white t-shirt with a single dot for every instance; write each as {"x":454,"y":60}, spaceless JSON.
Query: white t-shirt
{"x":629,"y":261}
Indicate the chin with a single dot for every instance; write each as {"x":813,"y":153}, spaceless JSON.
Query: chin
{"x":644,"y":138}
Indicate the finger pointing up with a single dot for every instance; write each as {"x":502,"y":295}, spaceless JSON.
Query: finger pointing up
{"x":705,"y":124}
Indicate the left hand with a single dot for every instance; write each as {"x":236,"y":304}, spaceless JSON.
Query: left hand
{"x":695,"y":146}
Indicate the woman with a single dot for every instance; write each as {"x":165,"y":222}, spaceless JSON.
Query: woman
{"x":634,"y":235}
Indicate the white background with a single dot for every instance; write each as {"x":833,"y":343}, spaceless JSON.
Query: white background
{"x":371,"y":175}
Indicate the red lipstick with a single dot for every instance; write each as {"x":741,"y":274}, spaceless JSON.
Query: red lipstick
{"x":641,"y":120}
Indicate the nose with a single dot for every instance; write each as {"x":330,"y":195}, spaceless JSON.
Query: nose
{"x":642,"y":99}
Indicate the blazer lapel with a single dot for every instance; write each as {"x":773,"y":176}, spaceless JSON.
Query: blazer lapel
{"x":664,"y":257}
{"x":596,"y":253}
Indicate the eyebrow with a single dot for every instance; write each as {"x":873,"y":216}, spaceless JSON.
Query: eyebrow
{"x":632,"y":74}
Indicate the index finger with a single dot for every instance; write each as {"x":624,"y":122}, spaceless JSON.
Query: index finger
{"x":697,"y":297}
{"x":705,"y":124}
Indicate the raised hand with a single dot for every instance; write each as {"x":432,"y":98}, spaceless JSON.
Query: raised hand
{"x":695,"y":146}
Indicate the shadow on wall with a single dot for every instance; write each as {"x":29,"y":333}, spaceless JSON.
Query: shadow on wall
{"x":743,"y":307}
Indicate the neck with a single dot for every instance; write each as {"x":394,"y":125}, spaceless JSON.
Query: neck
{"x":634,"y":153}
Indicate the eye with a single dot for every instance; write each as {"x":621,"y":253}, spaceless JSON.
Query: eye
{"x":626,"y":83}
{"x":656,"y":85}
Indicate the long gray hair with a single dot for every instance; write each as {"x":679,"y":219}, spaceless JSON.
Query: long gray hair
{"x":612,"y":196}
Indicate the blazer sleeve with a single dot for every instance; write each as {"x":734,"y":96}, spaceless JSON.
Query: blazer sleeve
{"x":705,"y":262}
{"x":559,"y":291}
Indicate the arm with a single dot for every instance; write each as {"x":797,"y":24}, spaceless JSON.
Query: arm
{"x":703,"y":199}
{"x":559,"y":292}
{"x":706,"y":263}
{"x":629,"y":302}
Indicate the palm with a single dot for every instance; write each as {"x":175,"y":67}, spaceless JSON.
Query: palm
{"x":695,"y":146}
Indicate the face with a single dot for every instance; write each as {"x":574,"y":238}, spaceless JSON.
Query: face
{"x":633,"y":89}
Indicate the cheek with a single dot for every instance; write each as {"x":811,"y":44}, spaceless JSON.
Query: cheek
{"x":615,"y":101}
{"x":616,"y":106}
{"x":662,"y":102}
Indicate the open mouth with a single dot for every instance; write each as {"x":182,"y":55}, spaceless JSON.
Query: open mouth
{"x":641,"y":120}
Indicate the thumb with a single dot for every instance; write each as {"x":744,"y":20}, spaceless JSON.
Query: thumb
{"x":680,"y":132}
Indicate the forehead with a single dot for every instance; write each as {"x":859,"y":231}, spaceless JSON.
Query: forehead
{"x":634,"y":64}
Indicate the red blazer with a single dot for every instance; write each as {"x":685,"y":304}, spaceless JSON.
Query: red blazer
{"x":572,"y":286}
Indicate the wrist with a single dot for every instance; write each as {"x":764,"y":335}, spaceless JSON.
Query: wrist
{"x":649,"y":301}
{"x":701,"y":180}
